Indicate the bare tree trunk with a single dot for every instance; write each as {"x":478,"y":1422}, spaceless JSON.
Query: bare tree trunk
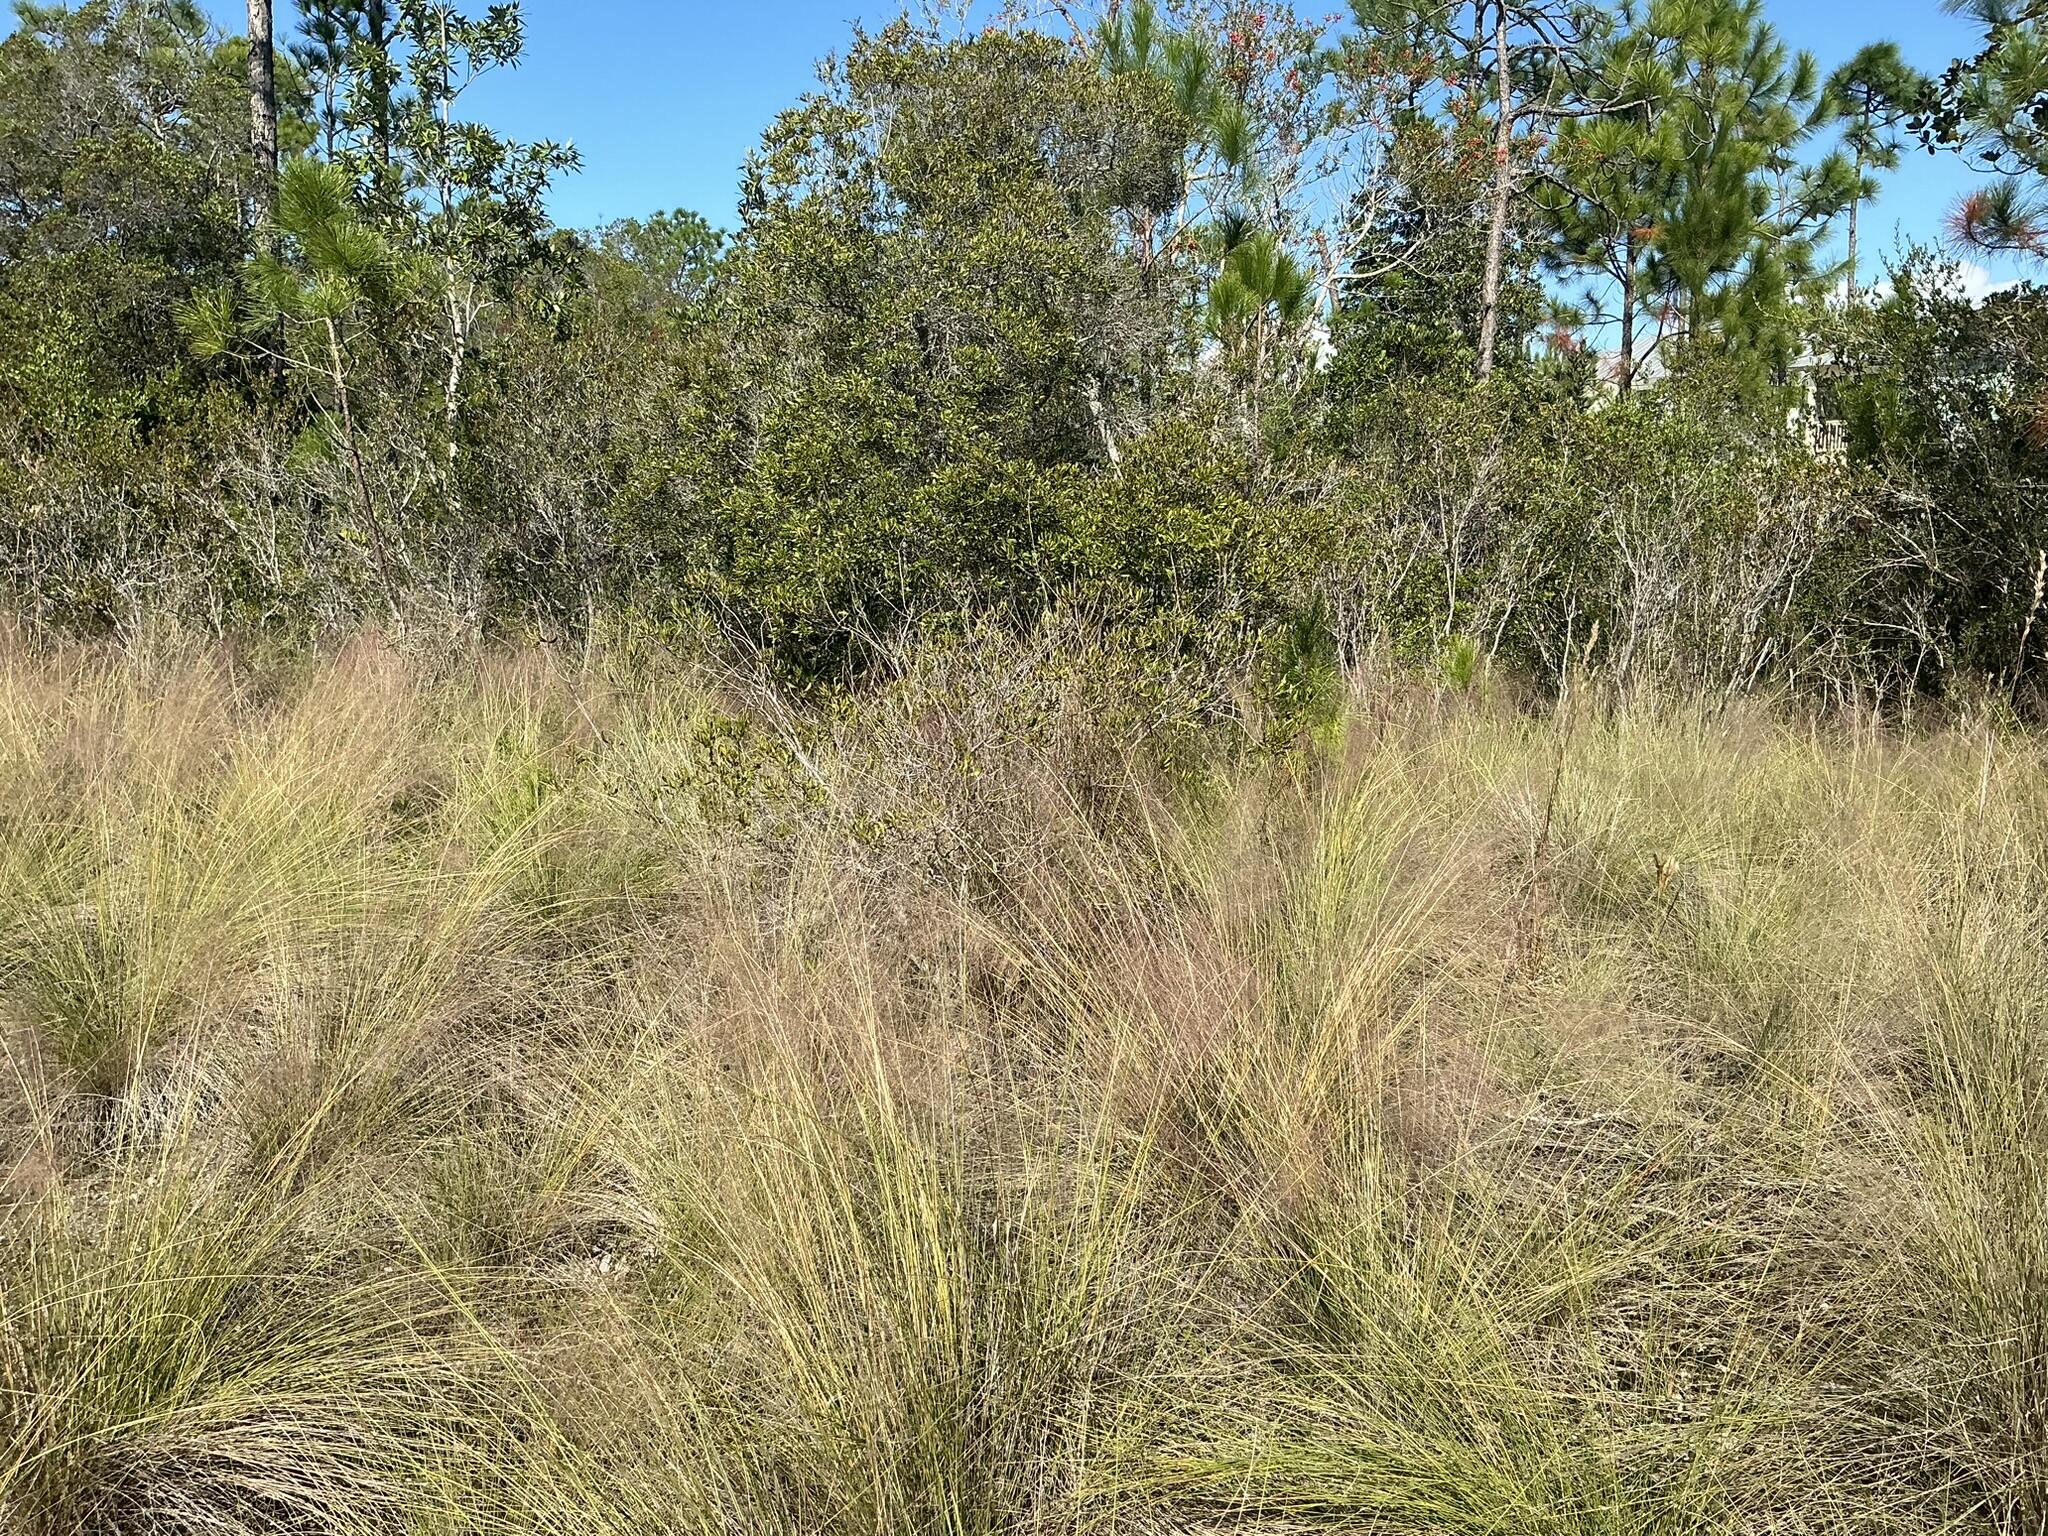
{"x":1625,"y":378}
{"x":1101,"y":419}
{"x":377,"y":29}
{"x":458,"y":347}
{"x":263,"y":98}
{"x":458,"y":314}
{"x":1855,"y":206}
{"x":371,"y":524}
{"x":1497,"y":224}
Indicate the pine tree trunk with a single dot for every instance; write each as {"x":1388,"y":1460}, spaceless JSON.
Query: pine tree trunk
{"x":1855,"y":206}
{"x":1625,"y":374}
{"x":1497,"y":224}
{"x":377,"y":33}
{"x":263,"y":98}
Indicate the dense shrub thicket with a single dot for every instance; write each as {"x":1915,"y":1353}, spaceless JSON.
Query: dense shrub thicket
{"x":1014,"y":324}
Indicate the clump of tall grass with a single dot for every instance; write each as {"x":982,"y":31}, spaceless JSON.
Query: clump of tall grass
{"x":176,"y":1356}
{"x":520,"y":1092}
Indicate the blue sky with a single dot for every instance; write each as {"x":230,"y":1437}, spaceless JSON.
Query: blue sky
{"x":665,"y":97}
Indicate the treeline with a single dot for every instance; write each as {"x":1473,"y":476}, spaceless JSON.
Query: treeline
{"x":1486,"y":333}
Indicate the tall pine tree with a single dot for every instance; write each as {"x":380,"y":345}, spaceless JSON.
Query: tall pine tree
{"x":1682,"y":191}
{"x":1871,"y":94}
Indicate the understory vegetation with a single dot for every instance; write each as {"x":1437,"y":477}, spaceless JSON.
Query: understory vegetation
{"x":1262,"y":773}
{"x":1514,"y":330}
{"x":591,"y":1092}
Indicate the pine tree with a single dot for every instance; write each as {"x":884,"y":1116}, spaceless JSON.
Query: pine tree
{"x":1418,"y":316}
{"x":327,"y":31}
{"x":348,"y":52}
{"x":1685,"y":190}
{"x":1519,"y":56}
{"x":1611,"y":182}
{"x":1872,"y":94}
{"x":1993,"y":107}
{"x":1743,"y":240}
{"x":306,"y":306}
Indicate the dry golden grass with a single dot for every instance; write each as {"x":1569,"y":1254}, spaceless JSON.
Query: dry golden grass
{"x":593,"y":1095}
